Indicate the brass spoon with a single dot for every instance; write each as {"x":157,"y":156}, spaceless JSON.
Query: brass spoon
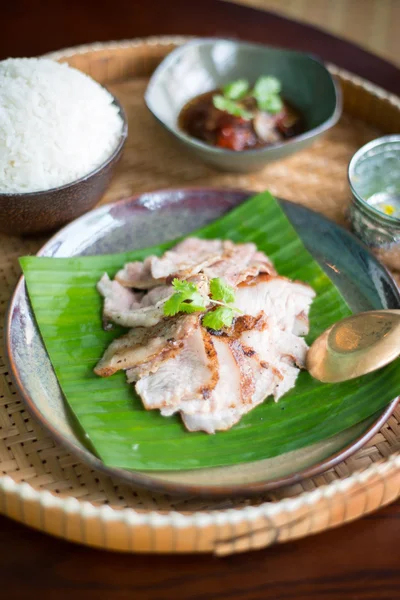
{"x":355,"y":346}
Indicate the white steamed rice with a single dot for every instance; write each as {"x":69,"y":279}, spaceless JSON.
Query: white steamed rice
{"x":56,"y":125}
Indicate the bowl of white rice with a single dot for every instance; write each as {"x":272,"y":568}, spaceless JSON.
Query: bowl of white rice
{"x":61,"y":135}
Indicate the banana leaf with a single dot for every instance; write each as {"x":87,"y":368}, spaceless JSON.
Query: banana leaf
{"x":68,"y":307}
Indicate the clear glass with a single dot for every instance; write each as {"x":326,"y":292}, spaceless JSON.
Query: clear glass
{"x":374,"y":177}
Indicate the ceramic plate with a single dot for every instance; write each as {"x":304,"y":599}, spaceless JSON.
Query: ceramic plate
{"x":159,"y":216}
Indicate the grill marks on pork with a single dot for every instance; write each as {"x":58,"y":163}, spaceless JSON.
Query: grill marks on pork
{"x":247,"y":381}
{"x":286,"y":302}
{"x":188,"y":375}
{"x":215,"y":258}
{"x":239,"y":262}
{"x":188,"y":258}
{"x":145,"y":347}
{"x":262,"y":369}
{"x":177,"y":366}
{"x":185,"y":259}
{"x":249,"y":371}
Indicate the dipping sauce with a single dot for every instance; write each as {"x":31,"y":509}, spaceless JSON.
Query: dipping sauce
{"x":238,"y":118}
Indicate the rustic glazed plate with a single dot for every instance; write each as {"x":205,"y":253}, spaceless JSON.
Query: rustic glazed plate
{"x":203,"y":65}
{"x":150,"y":219}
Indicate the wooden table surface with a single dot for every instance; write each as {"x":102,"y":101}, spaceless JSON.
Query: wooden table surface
{"x":373,"y":24}
{"x":359,"y":561}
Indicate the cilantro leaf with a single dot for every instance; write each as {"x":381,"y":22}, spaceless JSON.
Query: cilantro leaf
{"x":231,"y":107}
{"x":173,"y":305}
{"x":273,"y":104}
{"x":187,"y":299}
{"x":198,"y":299}
{"x":266,"y":86}
{"x":221,"y":291}
{"x":190,"y":307}
{"x":186,"y":287}
{"x":236,"y":89}
{"x":218,"y":318}
{"x":195,"y":303}
{"x":266,"y":91}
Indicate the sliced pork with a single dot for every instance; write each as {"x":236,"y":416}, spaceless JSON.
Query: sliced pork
{"x":191,"y":374}
{"x":144,"y":347}
{"x":215,"y":258}
{"x":188,"y":258}
{"x":211,"y":378}
{"x":239,"y":262}
{"x":185,"y":259}
{"x":128,"y":308}
{"x":138,"y":275}
{"x":255,"y":361}
{"x":287,"y":302}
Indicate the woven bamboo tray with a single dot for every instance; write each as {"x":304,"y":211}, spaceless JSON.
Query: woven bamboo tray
{"x":43,"y":486}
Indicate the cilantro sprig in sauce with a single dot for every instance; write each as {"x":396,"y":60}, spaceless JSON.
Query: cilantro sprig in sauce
{"x":266,"y":92}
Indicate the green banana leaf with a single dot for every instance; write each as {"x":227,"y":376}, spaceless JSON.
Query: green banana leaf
{"x":67,"y":308}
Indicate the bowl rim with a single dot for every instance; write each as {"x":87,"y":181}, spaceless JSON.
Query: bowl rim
{"x":144,"y":478}
{"x":113,"y":155}
{"x":184,"y":137}
{"x":376,"y":143}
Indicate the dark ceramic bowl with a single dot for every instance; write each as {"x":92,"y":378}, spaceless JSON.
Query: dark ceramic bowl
{"x":37,"y":212}
{"x":206,"y":64}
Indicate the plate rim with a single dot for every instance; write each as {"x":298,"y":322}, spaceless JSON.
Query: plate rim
{"x":145,"y":479}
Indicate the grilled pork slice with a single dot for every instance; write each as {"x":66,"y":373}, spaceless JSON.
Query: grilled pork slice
{"x":215,"y":258}
{"x":145,"y":347}
{"x":192,"y":373}
{"x":221,"y":411}
{"x":220,"y":414}
{"x":287,"y":302}
{"x":227,"y":387}
{"x":129,"y":309}
{"x":282,"y":352}
{"x":138,"y":275}
{"x":137,"y":309}
{"x":239,"y":262}
{"x":235,"y":382}
{"x":265,"y":357}
{"x":185,"y":259}
{"x":117,"y":299}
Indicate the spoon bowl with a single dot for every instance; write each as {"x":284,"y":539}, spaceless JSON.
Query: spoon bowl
{"x":355,"y":346}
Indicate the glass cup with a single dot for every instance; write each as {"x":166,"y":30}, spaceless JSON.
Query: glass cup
{"x":374,"y":177}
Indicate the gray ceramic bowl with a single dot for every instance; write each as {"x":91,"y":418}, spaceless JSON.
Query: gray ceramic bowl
{"x":37,"y":212}
{"x":206,"y":64}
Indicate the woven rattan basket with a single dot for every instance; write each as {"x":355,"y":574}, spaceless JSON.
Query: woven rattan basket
{"x":43,"y":486}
